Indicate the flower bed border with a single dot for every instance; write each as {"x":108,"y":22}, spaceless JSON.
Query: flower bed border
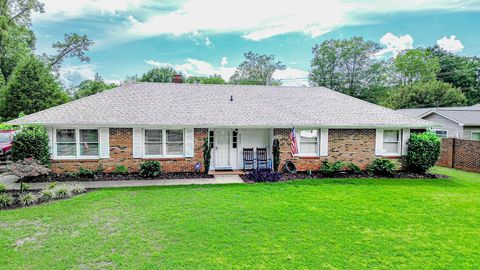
{"x":109,"y":177}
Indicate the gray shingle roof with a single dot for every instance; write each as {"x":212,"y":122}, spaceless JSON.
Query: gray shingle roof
{"x":467,"y":115}
{"x":209,"y":105}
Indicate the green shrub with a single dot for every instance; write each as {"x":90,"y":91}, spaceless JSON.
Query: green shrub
{"x":382,"y":167}
{"x":77,"y":189}
{"x":85,"y":173}
{"x":31,"y":142}
{"x":52,"y":185}
{"x":150,"y":169}
{"x":121,"y":169}
{"x":207,"y":155}
{"x":5,"y":200}
{"x":276,"y":154}
{"x":26,"y":199}
{"x":2,"y":188}
{"x":46,"y":195}
{"x":423,"y":151}
{"x":353,"y":168}
{"x":331,"y":168}
{"x":62,"y":191}
{"x":4,"y":126}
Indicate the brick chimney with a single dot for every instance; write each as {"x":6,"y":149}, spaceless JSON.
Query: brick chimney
{"x":177,"y":78}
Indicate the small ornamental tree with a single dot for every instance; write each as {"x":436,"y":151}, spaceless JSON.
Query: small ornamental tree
{"x":276,"y":154}
{"x":31,"y":142}
{"x":423,"y":151}
{"x":207,"y":154}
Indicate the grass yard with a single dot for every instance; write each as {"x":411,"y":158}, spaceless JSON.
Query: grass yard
{"x":308,"y":224}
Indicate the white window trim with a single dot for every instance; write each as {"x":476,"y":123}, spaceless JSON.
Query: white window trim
{"x":298,"y":138}
{"x":399,"y":142}
{"x":164,"y":143}
{"x":77,"y":145}
{"x":435,"y":130}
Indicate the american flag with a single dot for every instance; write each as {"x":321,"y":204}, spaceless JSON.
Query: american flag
{"x":293,"y":139}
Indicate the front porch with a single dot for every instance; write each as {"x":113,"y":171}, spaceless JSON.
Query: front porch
{"x":228,"y":145}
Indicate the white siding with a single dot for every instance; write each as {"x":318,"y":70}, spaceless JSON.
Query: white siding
{"x":104,"y":140}
{"x":324,"y":142}
{"x":189,"y":142}
{"x":379,"y":142}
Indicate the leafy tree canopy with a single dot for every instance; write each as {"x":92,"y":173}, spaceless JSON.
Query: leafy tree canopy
{"x":257,"y":69}
{"x":31,"y":88}
{"x":91,"y":87}
{"x":162,"y":74}
{"x":215,"y":79}
{"x":74,"y":45}
{"x":349,"y":66}
{"x":416,"y":65}
{"x":425,"y":94}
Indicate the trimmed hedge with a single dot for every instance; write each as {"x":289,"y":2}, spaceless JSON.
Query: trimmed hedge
{"x":423,"y":151}
{"x":31,"y":142}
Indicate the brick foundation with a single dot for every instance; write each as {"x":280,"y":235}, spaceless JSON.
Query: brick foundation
{"x":347,"y":145}
{"x":121,"y":153}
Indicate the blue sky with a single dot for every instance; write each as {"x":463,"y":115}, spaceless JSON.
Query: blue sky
{"x":205,"y":37}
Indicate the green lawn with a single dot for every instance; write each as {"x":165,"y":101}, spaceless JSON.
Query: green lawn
{"x":308,"y":224}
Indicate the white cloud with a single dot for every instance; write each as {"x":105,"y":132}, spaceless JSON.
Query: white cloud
{"x":395,"y":44}
{"x":292,"y":77}
{"x":224,"y":61}
{"x":195,"y":67}
{"x":70,"y":75}
{"x":209,"y":43}
{"x":451,"y":44}
{"x":256,"y":20}
{"x":58,"y":9}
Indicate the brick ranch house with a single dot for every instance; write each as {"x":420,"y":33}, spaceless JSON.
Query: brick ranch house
{"x":170,"y":123}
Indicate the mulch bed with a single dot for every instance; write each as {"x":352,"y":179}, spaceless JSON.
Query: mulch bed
{"x":110,"y":177}
{"x":398,"y":175}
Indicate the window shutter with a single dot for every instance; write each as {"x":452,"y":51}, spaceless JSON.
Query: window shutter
{"x":50,"y":141}
{"x":324,"y":142}
{"x":405,"y":138}
{"x":189,"y":142}
{"x":137,"y":143}
{"x":104,"y":142}
{"x":379,"y":142}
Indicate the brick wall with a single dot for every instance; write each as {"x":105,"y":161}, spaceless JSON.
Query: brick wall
{"x":460,"y":154}
{"x":121,"y":153}
{"x":347,"y":145}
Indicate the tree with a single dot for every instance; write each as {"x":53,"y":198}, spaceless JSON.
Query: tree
{"x":20,"y":11}
{"x":257,"y":69}
{"x":15,"y":42}
{"x":215,"y":79}
{"x":425,"y":94}
{"x":162,"y":74}
{"x":348,"y":66}
{"x":91,"y":87}
{"x":460,"y":71}
{"x":416,"y":65}
{"x":31,"y":88}
{"x":74,"y":45}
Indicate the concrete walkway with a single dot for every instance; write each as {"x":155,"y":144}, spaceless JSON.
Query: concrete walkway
{"x":218,"y":179}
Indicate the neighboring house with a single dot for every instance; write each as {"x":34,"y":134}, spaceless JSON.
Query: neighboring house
{"x":170,"y":123}
{"x":454,"y":122}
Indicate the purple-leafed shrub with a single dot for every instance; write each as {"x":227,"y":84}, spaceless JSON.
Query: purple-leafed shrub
{"x":263,"y":175}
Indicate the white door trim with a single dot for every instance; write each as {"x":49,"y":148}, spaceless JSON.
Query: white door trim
{"x":222,"y":161}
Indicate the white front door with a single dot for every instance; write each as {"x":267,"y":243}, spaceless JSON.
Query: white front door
{"x":222,"y":148}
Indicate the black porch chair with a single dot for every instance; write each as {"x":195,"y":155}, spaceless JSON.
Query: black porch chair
{"x":248,"y":158}
{"x":262,"y":160}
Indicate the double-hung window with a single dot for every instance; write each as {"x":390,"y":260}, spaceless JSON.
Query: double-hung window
{"x":308,"y":142}
{"x":391,"y":142}
{"x":76,"y":143}
{"x":163,"y":142}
